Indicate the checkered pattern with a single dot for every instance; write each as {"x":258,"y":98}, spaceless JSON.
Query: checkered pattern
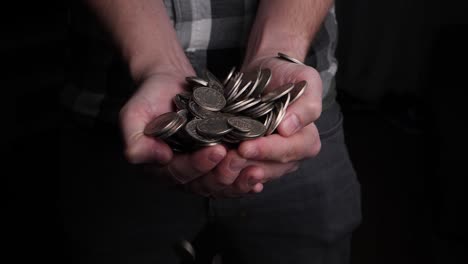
{"x":213,"y":35}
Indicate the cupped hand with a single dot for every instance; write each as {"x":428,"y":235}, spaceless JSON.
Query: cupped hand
{"x":153,"y":98}
{"x":260,"y":160}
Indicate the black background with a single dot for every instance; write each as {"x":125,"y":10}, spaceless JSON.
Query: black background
{"x":402,"y":85}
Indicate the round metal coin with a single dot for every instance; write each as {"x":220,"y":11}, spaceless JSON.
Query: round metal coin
{"x":278,"y":92}
{"x":239,"y":123}
{"x":297,"y":91}
{"x":194,"y":80}
{"x":185,"y":251}
{"x":265,"y":76}
{"x":191,"y":129}
{"x":228,"y":77}
{"x":257,"y":129}
{"x":289,"y":58}
{"x":209,"y":99}
{"x":214,"y":127}
{"x":161,"y":124}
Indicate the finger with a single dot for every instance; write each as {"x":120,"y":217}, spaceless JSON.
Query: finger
{"x":187,"y":167}
{"x":303,"y":144}
{"x":274,"y":170}
{"x":140,"y":148}
{"x":306,"y":108}
{"x":253,"y":177}
{"x":225,"y":172}
{"x":248,"y":179}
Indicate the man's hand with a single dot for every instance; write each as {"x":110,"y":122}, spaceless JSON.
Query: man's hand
{"x":262,"y":159}
{"x":287,"y":27}
{"x":153,"y":98}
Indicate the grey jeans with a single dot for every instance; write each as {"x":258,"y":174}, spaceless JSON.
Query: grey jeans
{"x":115,"y":213}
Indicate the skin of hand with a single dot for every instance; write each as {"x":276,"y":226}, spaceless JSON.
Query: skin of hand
{"x":162,"y":68}
{"x":260,"y":160}
{"x":153,"y":98}
{"x":148,"y":42}
{"x":288,"y":27}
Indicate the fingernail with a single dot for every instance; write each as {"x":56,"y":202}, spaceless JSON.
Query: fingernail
{"x":291,"y":124}
{"x":252,"y":181}
{"x":258,"y":188}
{"x":215,"y":157}
{"x":251,"y":152}
{"x":237,"y":164}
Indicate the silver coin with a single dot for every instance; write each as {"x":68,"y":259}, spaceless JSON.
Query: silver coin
{"x":180,"y":122}
{"x":230,"y":74}
{"x":239,"y":123}
{"x":239,"y":91}
{"x":202,"y":117}
{"x":195,"y":81}
{"x":206,"y":144}
{"x":191,"y":129}
{"x":213,"y":82}
{"x":186,"y":95}
{"x":214,"y":127}
{"x":267,"y":120}
{"x":161,"y":124}
{"x":185,"y":251}
{"x":279,"y":117}
{"x":184,"y":113}
{"x":264,"y":81}
{"x":277,"y":92}
{"x":233,"y":89}
{"x":289,"y":58}
{"x":180,"y":102}
{"x":297,"y":91}
{"x":209,"y":99}
{"x":238,"y":104}
{"x":246,"y":106}
{"x":232,"y":84}
{"x":199,"y":112}
{"x":255,"y":77}
{"x":272,"y":121}
{"x":231,"y":140}
{"x":256,"y":129}
{"x":259,"y":110}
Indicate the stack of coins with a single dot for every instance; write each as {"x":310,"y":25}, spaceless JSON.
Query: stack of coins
{"x":228,"y":111}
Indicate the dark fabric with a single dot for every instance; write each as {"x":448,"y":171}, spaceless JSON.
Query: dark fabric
{"x":115,"y":213}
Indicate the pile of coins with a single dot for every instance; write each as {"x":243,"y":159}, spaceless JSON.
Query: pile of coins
{"x":228,"y":111}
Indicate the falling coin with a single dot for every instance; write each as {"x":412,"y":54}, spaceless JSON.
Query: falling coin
{"x":289,"y":58}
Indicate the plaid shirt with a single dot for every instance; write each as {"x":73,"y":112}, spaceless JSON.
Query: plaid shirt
{"x":213,"y":35}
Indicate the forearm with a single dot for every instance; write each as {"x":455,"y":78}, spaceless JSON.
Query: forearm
{"x":143,"y":32}
{"x":285,"y":26}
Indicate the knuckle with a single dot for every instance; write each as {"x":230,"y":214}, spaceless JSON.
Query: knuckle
{"x":240,"y":187}
{"x":223,"y":180}
{"x":199,"y":164}
{"x":288,"y":156}
{"x":313,"y":110}
{"x":293,"y":154}
{"x":197,"y":167}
